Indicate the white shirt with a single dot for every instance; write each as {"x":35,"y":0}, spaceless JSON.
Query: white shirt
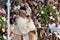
{"x":57,"y":30}
{"x":52,"y":27}
{"x":28,"y":11}
{"x":16,"y":7}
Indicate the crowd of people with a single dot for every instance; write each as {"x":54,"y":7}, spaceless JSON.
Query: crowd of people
{"x":25,"y":20}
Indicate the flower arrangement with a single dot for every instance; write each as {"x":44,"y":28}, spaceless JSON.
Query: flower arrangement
{"x":47,"y":13}
{"x":3,"y":29}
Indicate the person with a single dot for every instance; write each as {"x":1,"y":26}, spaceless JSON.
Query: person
{"x":51,"y":25}
{"x":42,"y":35}
{"x":2,"y":11}
{"x":28,"y":9}
{"x":41,"y":0}
{"x":51,"y":2}
{"x":16,"y":7}
{"x":24,"y":27}
{"x":39,"y":4}
{"x":22,"y":4}
{"x":24,"y":1}
{"x":57,"y":29}
{"x":56,"y":2}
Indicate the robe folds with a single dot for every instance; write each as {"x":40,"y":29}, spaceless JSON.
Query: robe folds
{"x":23,"y":27}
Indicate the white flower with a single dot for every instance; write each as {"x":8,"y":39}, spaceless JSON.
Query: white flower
{"x":4,"y":18}
{"x":4,"y":37}
{"x":42,"y":12}
{"x":51,"y":17}
{"x":54,"y":7}
{"x":3,"y":29}
{"x":50,"y":13}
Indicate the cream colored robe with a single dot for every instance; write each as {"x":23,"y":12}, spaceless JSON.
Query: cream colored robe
{"x":23,"y":27}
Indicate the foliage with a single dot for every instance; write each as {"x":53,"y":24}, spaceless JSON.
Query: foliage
{"x":2,"y":25}
{"x":46,"y":13}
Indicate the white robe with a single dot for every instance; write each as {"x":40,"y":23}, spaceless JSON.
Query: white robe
{"x":57,"y":30}
{"x":23,"y":27}
{"x":52,"y":27}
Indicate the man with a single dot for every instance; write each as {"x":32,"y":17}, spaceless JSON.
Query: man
{"x":57,"y":29}
{"x":28,"y":9}
{"x":2,"y":11}
{"x":51,"y":26}
{"x":23,"y":28}
{"x":16,"y":7}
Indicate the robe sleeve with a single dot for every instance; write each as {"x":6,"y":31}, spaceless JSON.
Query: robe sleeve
{"x":31,"y":25}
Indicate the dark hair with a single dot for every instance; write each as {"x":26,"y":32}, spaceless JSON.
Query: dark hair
{"x":5,"y":6}
{"x":23,"y":8}
{"x":40,"y":2}
{"x":12,"y":13}
{"x":16,"y":3}
{"x":59,"y":1}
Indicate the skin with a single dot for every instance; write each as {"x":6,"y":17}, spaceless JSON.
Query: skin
{"x":26,"y":5}
{"x":22,"y":14}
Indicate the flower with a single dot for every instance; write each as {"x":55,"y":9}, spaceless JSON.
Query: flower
{"x":3,"y":29}
{"x":4,"y":37}
{"x":50,"y":13}
{"x":51,"y":17}
{"x":4,"y":18}
{"x":42,"y":12}
{"x":54,"y":7}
